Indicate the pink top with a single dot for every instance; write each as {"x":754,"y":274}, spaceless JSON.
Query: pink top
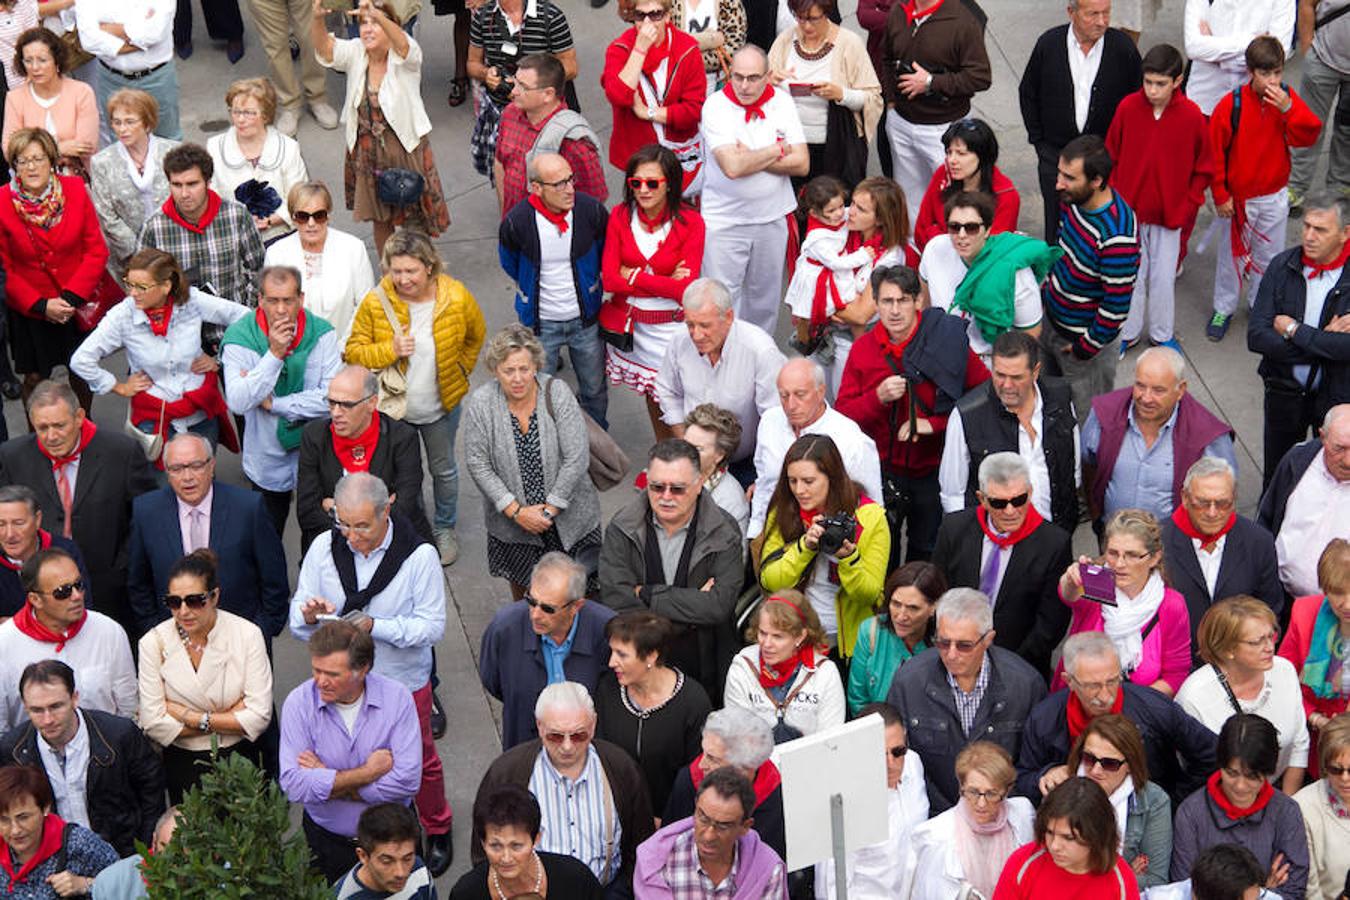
{"x":1167,"y":649}
{"x":75,"y":113}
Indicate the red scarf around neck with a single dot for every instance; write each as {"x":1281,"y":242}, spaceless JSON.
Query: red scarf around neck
{"x":346,"y":448}
{"x":652,"y":224}
{"x":44,"y":541}
{"x":772,"y":675}
{"x":755,"y":109}
{"x":1182,"y":519}
{"x":87,"y":431}
{"x":855,"y":242}
{"x":1029,"y":524}
{"x":27,"y":622}
{"x":1078,"y":718}
{"x":559,"y":220}
{"x":159,"y":318}
{"x":212,"y":207}
{"x":261,"y":318}
{"x":911,"y":10}
{"x":1233,"y":812}
{"x":52,"y":829}
{"x":656,"y":54}
{"x":767,"y":778}
{"x":1318,"y":268}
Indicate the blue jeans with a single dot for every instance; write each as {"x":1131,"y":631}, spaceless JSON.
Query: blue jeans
{"x":162,"y":84}
{"x":587,"y":353}
{"x":438,"y":439}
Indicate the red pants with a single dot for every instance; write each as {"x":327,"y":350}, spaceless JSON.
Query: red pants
{"x":432,"y":806}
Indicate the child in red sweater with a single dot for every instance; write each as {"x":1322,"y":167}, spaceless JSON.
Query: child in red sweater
{"x":1159,"y":142}
{"x":1251,"y":172}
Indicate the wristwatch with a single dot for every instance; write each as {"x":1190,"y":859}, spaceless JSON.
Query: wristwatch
{"x":205,"y":724}
{"x":1289,"y":330}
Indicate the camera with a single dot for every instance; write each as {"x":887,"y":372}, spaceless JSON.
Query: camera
{"x":839,"y":528}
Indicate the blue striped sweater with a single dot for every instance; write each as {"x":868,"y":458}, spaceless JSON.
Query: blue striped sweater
{"x":1087,"y":294}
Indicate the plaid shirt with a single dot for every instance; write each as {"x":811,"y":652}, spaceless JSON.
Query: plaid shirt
{"x":223,"y":260}
{"x":688,"y":881}
{"x":515,"y":139}
{"x":967,"y":704}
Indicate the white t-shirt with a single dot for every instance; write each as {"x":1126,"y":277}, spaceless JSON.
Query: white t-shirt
{"x":424,"y":390}
{"x":943,"y":270}
{"x":557,"y":290}
{"x":348,"y":712}
{"x":753,"y":199}
{"x":813,"y":111}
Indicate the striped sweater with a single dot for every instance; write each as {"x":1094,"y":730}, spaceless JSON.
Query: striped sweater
{"x":1087,"y":294}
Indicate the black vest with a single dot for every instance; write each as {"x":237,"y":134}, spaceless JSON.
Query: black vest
{"x":990,"y":428}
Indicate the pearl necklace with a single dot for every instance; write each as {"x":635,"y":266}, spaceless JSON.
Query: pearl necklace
{"x":189,"y":643}
{"x":538,"y":878}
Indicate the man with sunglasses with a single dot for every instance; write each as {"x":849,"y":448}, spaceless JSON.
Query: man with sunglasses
{"x":552,"y":634}
{"x":1004,"y":548}
{"x":962,"y":689}
{"x":1179,"y":748}
{"x":55,"y":624}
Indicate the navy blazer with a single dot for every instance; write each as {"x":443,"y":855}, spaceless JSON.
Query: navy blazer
{"x":12,"y":594}
{"x":252,"y":562}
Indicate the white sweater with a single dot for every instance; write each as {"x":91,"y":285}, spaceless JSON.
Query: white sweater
{"x":1280,"y":701}
{"x":100,"y":655}
{"x":934,"y":869}
{"x":817,"y":705}
{"x":1328,"y":843}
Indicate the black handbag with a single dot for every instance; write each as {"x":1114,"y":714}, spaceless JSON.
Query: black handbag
{"x":399,"y":187}
{"x":845,"y":149}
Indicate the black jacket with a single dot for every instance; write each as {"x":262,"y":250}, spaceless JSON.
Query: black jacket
{"x":1029,"y":618}
{"x":1283,"y":290}
{"x":1046,"y":89}
{"x":1287,"y":476}
{"x":124,"y":789}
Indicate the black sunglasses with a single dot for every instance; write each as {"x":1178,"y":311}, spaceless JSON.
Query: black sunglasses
{"x":63,"y":591}
{"x":547,"y":608}
{"x":1004,"y":502}
{"x":1108,"y":763}
{"x":319,"y":215}
{"x":347,"y":404}
{"x":898,"y":752}
{"x":971,"y":228}
{"x":193,"y":601}
{"x":648,"y":15}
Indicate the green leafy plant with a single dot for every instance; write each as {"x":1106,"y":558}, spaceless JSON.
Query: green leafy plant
{"x":231,"y":843}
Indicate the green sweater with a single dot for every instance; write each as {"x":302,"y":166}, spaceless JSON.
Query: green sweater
{"x":877,"y":653}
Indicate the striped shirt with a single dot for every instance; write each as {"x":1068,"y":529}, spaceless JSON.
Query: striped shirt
{"x":543,"y":30}
{"x":1087,"y":294}
{"x":573,"y":820}
{"x":968,"y":703}
{"x":419,"y":886}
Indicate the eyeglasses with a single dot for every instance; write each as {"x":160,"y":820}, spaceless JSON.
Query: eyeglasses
{"x":1109,"y":764}
{"x":559,"y":184}
{"x":303,"y":216}
{"x":364,"y":529}
{"x":135,"y":287}
{"x":897,"y":752}
{"x":748,"y":79}
{"x":1004,"y":502}
{"x":1211,"y":505}
{"x":703,"y":821}
{"x":63,"y":591}
{"x":970,"y":228}
{"x":973,"y":796}
{"x":245,"y":113}
{"x":648,"y":15}
{"x":346,"y":404}
{"x":1336,"y":771}
{"x":547,"y":609}
{"x":193,"y":601}
{"x":1272,"y":638}
{"x":560,"y":737}
{"x":1096,"y":687}
{"x":1124,"y":556}
{"x":659,"y":487}
{"x":31,"y":162}
{"x":959,"y":646}
{"x":650,"y":184}
{"x":124,"y":123}
{"x":194,"y":466}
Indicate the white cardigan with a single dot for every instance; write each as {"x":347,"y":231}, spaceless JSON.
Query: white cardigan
{"x":1280,"y":701}
{"x":280,"y":165}
{"x":817,"y":706}
{"x":934,"y":869}
{"x":400,"y":92}
{"x":345,"y":279}
{"x":1328,"y":843}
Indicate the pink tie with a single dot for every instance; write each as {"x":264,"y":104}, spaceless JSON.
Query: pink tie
{"x":197,"y":530}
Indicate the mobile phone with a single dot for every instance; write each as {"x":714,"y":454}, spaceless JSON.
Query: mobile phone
{"x":328,"y":617}
{"x":800,"y":88}
{"x":1099,"y":584}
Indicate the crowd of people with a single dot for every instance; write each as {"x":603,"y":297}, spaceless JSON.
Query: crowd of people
{"x":872,"y":517}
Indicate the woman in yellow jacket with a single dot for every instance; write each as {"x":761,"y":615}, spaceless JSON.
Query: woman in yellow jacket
{"x":842,"y":587}
{"x":441,"y":331}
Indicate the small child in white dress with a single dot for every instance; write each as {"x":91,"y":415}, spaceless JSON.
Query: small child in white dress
{"x":825,"y":278}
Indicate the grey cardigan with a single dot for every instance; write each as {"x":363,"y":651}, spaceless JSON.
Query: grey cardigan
{"x":118,"y":202}
{"x":1148,"y":832}
{"x":564,"y":450}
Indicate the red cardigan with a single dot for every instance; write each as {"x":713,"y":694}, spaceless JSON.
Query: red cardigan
{"x":684,"y":244}
{"x":1257,"y":163}
{"x":70,"y":256}
{"x":686,"y":89}
{"x":1294,"y":648}
{"x":931,"y":221}
{"x":1162,"y":165}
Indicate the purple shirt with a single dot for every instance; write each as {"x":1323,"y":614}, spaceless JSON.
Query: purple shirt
{"x":387,"y":720}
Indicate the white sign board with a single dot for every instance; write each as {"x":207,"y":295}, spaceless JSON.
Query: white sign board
{"x":849,"y":760}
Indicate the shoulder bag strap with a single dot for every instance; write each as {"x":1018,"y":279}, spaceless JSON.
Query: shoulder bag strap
{"x":1227,"y":688}
{"x":606,"y":874}
{"x":1331,"y":17}
{"x":389,"y":310}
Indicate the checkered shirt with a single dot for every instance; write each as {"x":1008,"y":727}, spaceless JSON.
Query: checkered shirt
{"x":967,"y":704}
{"x":515,"y":139}
{"x":227,"y":256}
{"x":688,"y":881}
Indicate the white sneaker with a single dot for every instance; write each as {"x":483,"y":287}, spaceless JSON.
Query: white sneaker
{"x":288,"y":123}
{"x":447,"y":546}
{"x":324,"y":114}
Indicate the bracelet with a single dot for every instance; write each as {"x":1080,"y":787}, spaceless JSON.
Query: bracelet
{"x":516,"y":514}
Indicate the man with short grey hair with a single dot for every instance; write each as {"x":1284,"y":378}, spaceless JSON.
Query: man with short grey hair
{"x":721,"y":360}
{"x":964,"y":689}
{"x":21,"y":536}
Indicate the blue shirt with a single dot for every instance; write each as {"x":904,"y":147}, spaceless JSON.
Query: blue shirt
{"x":555,"y":653}
{"x":579,"y":817}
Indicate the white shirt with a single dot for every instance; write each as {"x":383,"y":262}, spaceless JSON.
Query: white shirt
{"x":279,"y":164}
{"x":99,"y":654}
{"x":1083,"y":71}
{"x":348,"y":711}
{"x":1218,"y":62}
{"x":69,"y":781}
{"x":557,"y":290}
{"x":744,"y":381}
{"x":1316,"y":291}
{"x":879,"y":870}
{"x":817,"y":705}
{"x":148,"y":24}
{"x":752,"y":199}
{"x":1313,"y":515}
{"x":1210,"y":561}
{"x":424,"y":392}
{"x":943,"y":270}
{"x":775,"y":436}
{"x":1280,"y":701}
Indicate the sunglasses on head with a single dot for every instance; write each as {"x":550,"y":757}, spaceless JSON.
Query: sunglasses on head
{"x":193,"y":601}
{"x":970,"y":228}
{"x":547,"y":608}
{"x":319,"y":215}
{"x":557,"y":737}
{"x":64,"y":591}
{"x":650,"y":184}
{"x":1004,"y":502}
{"x":1109,"y":764}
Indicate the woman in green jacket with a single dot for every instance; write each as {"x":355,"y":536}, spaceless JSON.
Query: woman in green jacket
{"x":902,"y":627}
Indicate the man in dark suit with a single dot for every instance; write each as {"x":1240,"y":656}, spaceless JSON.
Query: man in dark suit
{"x":196,"y":511}
{"x":1004,"y":548}
{"x":1213,"y":553}
{"x":1076,"y":76}
{"x":357,"y":438}
{"x":22,"y":536}
{"x":85,"y":478}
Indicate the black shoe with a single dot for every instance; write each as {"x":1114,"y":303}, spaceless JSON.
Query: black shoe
{"x":183,"y":50}
{"x":234,"y":51}
{"x":437,"y":717}
{"x":440,"y":853}
{"x":11,"y":389}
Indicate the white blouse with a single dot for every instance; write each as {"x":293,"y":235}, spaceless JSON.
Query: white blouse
{"x":280,"y":165}
{"x":1280,"y":701}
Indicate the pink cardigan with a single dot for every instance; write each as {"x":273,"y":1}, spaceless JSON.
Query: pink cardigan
{"x":75,"y":113}
{"x":1167,"y":649}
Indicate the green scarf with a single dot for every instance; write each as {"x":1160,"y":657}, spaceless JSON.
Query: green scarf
{"x":248,"y":333}
{"x":987,"y":290}
{"x":1317,"y":672}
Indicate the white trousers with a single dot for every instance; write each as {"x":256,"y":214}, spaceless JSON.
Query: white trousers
{"x":916,"y":152}
{"x":1267,"y":218}
{"x":750,"y":261}
{"x":1155,"y":287}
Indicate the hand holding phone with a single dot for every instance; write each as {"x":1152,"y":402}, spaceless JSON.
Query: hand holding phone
{"x":800,"y":88}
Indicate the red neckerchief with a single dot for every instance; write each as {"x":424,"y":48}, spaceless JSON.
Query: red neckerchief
{"x":651,"y":225}
{"x":772,"y":675}
{"x":855,"y":242}
{"x":212,"y":207}
{"x":1318,"y":268}
{"x":44,"y":541}
{"x":559,"y":220}
{"x":767,"y":778}
{"x":346,"y":448}
{"x":890,"y":348}
{"x":28,"y":623}
{"x":753,"y":110}
{"x":656,"y":54}
{"x":910,"y":10}
{"x":159,"y":318}
{"x":812,"y":223}
{"x":808,"y":515}
{"x":261,"y":318}
{"x":87,"y":432}
{"x":1029,"y":524}
{"x":1078,"y":717}
{"x":1182,"y":519}
{"x":1237,"y":812}
{"x":52,"y":829}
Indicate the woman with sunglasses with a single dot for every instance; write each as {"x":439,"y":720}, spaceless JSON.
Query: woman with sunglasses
{"x":1237,"y":638}
{"x":334,"y":267}
{"x":965,"y":847}
{"x":1326,"y":813}
{"x":970,"y":165}
{"x":1148,"y":622}
{"x":172,"y":384}
{"x":205,"y":677}
{"x":1238,"y":805}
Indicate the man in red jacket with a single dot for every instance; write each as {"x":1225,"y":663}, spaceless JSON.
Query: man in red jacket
{"x":1251,"y":171}
{"x":1159,"y":140}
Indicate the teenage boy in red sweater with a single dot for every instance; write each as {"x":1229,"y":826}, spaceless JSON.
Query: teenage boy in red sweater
{"x":1251,"y":172}
{"x":1159,"y":142}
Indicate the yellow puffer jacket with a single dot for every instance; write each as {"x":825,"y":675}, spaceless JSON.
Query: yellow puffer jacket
{"x":456,"y":324}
